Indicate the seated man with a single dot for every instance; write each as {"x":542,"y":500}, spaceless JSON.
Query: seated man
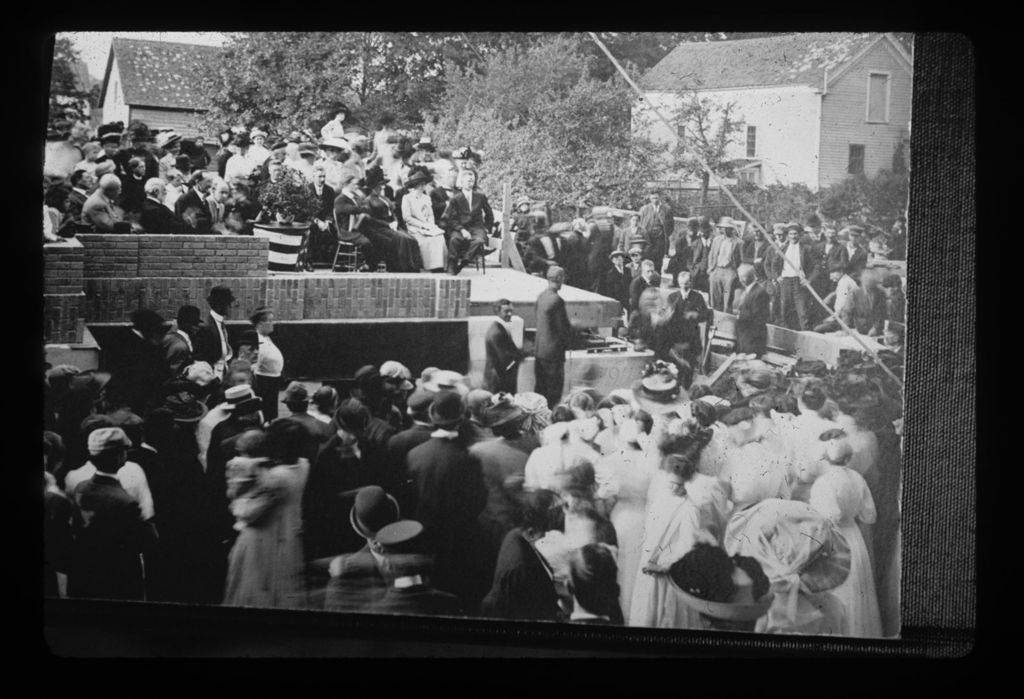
{"x":154,"y":216}
{"x":101,"y":210}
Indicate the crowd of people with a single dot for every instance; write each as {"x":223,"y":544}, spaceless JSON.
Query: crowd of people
{"x":768,"y":501}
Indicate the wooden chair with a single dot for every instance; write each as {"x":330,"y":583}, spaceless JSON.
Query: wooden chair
{"x":347,"y":252}
{"x":481,"y":262}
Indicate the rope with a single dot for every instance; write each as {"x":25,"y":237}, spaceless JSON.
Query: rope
{"x":751,"y":219}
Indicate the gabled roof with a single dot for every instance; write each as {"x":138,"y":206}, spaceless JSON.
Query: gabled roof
{"x":158,"y":73}
{"x":787,"y":59}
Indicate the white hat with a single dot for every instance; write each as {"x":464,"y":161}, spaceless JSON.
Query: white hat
{"x":104,"y":438}
{"x":332,"y":142}
{"x":396,"y":370}
{"x":236,"y":394}
{"x":167,"y":138}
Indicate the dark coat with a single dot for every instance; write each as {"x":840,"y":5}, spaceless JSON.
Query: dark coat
{"x":637,"y":287}
{"x":752,"y":321}
{"x":574,"y":259}
{"x":753,"y":252}
{"x":837,"y":255}
{"x":132,"y":194}
{"x":137,"y":373}
{"x":194,"y":203}
{"x":522,"y":587}
{"x":109,"y":536}
{"x":206,"y":345}
{"x":76,"y":200}
{"x":422,"y":600}
{"x":858,"y":260}
{"x":57,"y":541}
{"x":360,"y":584}
{"x":656,"y":224}
{"x":615,"y":285}
{"x":154,"y":217}
{"x":451,"y":494}
{"x":599,"y":247}
{"x":403,"y":488}
{"x":439,"y":197}
{"x":808,"y":259}
{"x":503,"y":357}
{"x":327,"y":500}
{"x":317,"y":433}
{"x":460,"y":213}
{"x":689,"y":330}
{"x":177,"y":354}
{"x":537,"y":259}
{"x":554,"y":331}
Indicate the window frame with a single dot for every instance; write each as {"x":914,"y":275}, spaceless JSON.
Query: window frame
{"x":751,"y":152}
{"x":849,"y":159}
{"x":888,"y":97}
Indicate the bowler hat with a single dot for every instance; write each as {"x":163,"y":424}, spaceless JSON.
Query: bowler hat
{"x":420,"y":400}
{"x":447,"y":410}
{"x":373,"y":510}
{"x":218,"y":293}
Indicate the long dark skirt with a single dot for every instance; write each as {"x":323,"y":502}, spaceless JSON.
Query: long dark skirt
{"x":400,"y":249}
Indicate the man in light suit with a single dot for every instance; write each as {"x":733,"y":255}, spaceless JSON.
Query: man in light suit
{"x":100,"y":208}
{"x":723,"y":261}
{"x":752,"y":311}
{"x":656,"y":226}
{"x":503,"y":357}
{"x":554,"y":336}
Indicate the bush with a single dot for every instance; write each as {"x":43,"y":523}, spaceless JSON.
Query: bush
{"x":290,"y":197}
{"x":867,"y":200}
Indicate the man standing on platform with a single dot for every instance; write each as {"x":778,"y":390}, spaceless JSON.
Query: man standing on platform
{"x":554,"y":334}
{"x":656,"y":225}
{"x":723,"y":259}
{"x":503,"y":357}
{"x":793,"y":297}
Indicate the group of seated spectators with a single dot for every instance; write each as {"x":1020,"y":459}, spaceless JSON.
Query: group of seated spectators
{"x":171,"y":480}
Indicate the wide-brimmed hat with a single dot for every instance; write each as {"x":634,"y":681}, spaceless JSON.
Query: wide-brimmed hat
{"x":373,"y":510}
{"x":726,"y":222}
{"x":447,"y":409}
{"x":725,"y":610}
{"x":617,"y":253}
{"x":373,"y":178}
{"x":446,"y":380}
{"x":503,"y":413}
{"x":659,"y":390}
{"x":167,"y":138}
{"x":522,"y":200}
{"x":183,"y":404}
{"x":425,"y":144}
{"x":418,"y":178}
{"x":308,"y":149}
{"x":398,"y":371}
{"x":236,"y":395}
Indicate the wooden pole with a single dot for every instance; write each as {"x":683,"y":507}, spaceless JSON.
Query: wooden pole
{"x":509,"y":255}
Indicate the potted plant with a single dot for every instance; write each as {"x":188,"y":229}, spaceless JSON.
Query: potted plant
{"x":288,"y":207}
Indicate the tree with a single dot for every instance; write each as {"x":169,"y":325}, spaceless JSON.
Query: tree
{"x":69,"y":98}
{"x":707,"y":129}
{"x":877,"y":200}
{"x":546,"y":125}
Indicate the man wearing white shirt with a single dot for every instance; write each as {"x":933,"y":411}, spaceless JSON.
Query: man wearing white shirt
{"x":211,"y":341}
{"x":798,"y":259}
{"x":130,"y":475}
{"x":843,"y":299}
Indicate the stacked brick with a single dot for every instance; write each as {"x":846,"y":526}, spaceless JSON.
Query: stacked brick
{"x":145,"y":256}
{"x":63,"y":300}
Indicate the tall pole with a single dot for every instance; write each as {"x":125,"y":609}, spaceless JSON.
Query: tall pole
{"x":714,"y":177}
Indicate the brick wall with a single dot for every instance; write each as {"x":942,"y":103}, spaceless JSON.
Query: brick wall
{"x":293,"y":297}
{"x":63,"y":265}
{"x":174,"y":256}
{"x":63,"y":318}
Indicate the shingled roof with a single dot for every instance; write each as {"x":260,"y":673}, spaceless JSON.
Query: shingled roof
{"x":158,"y":73}
{"x":788,"y":59}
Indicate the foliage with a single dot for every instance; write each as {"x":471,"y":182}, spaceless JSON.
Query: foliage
{"x":867,"y":200}
{"x":546,"y":126}
{"x":68,"y":99}
{"x":290,"y":197}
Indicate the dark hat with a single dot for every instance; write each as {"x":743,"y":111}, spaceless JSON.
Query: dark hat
{"x":146,"y":320}
{"x":279,"y":145}
{"x":810,"y":367}
{"x":374,"y":177}
{"x":728,"y":611}
{"x":183,"y":404}
{"x":736,"y":416}
{"x":417,"y":179}
{"x":373,"y":510}
{"x":352,"y":416}
{"x":503,"y":413}
{"x":218,"y":293}
{"x":365,"y":373}
{"x":296,"y":393}
{"x":110,"y":130}
{"x":249,"y":337}
{"x":617,"y":253}
{"x":447,"y":409}
{"x":400,"y":533}
{"x":837,"y":266}
{"x":242,"y":141}
{"x":308,"y":149}
{"x":425,"y":143}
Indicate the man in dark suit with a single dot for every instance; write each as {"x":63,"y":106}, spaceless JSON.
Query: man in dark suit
{"x":349,"y":212}
{"x":139,"y":369}
{"x":450,"y":495}
{"x":656,"y":225}
{"x":324,"y":237}
{"x":647,"y":278}
{"x":503,"y":356}
{"x":856,"y":250}
{"x":544,"y":249}
{"x":554,"y":337}
{"x":831,"y":254}
{"x":154,"y":217}
{"x":467,"y":219}
{"x":177,"y":344}
{"x":82,"y":182}
{"x":211,"y":339}
{"x":753,"y":252}
{"x":110,"y":533}
{"x":296,"y":399}
{"x":615,"y":282}
{"x":100,"y":209}
{"x":723,"y":261}
{"x":752,"y":313}
{"x":133,"y":186}
{"x":400,"y":444}
{"x":691,"y":310}
{"x":191,"y":206}
{"x":599,"y":246}
{"x":410,"y":590}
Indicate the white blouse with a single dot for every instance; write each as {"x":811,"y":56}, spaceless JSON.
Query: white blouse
{"x":419,"y":214}
{"x":270,"y":361}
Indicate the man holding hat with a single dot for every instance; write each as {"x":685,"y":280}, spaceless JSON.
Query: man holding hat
{"x":450,"y":495}
{"x":110,"y":530}
{"x":723,"y":261}
{"x":410,"y":590}
{"x":656,"y":225}
{"x":360,"y":579}
{"x":211,"y":340}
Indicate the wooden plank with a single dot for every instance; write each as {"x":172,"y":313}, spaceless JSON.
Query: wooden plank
{"x":509,"y":252}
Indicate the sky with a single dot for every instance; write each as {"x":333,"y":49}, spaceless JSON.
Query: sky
{"x":93,"y":47}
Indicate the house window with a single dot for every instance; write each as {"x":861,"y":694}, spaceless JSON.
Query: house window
{"x":751,"y":141}
{"x":878,"y":98}
{"x":856,"y":163}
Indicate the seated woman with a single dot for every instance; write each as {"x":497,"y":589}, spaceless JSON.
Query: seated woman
{"x":350,"y":213}
{"x":406,"y":251}
{"x":418,"y":215}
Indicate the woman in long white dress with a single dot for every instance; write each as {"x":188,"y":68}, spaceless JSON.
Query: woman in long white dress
{"x":842,"y":495}
{"x":418,"y":214}
{"x":633,"y":469}
{"x":683,"y":508}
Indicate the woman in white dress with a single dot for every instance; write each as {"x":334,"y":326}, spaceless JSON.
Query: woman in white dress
{"x":683,"y":508}
{"x":419,"y":221}
{"x":842,"y":495}
{"x":633,"y":469}
{"x":614,"y":411}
